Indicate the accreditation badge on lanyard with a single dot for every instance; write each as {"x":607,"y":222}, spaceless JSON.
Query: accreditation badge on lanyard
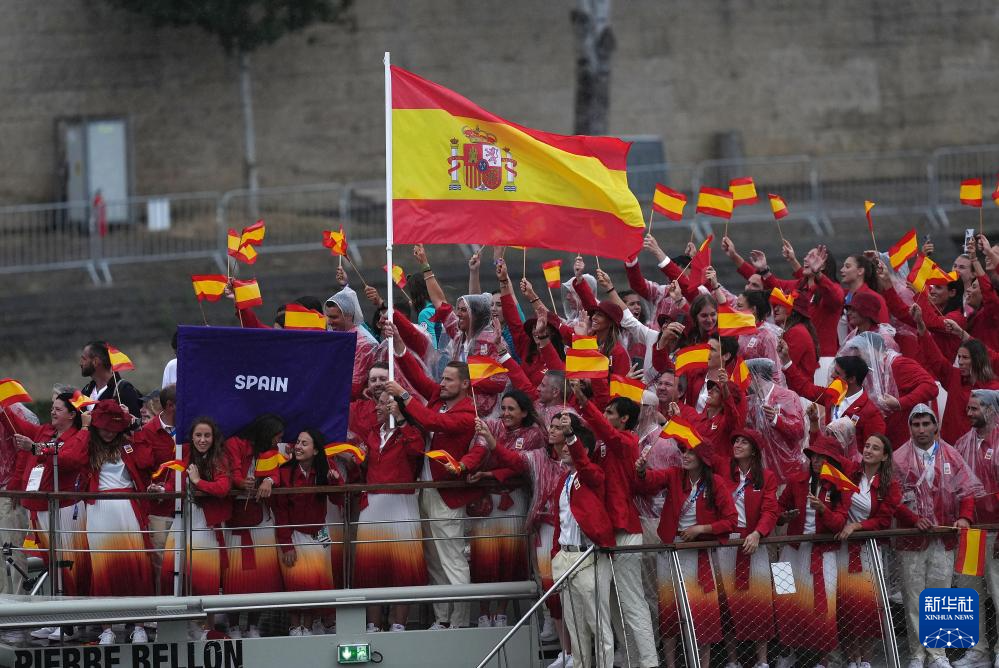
{"x":692,"y":499}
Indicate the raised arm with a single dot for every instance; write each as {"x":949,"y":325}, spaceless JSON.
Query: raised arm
{"x":433,"y":287}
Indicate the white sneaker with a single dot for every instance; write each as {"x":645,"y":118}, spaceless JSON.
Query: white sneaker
{"x":44,"y":633}
{"x":736,"y":664}
{"x":139,"y":635}
{"x":563,"y":660}
{"x":295,"y":631}
{"x":918,"y":663}
{"x":13,"y":637}
{"x":786,"y":661}
{"x":484,"y":622}
{"x":939,"y":662}
{"x":568,"y":662}
{"x":252,"y":632}
{"x":548,"y":632}
{"x":395,"y":628}
{"x":106,"y":637}
{"x":852,"y":664}
{"x":372,"y":628}
{"x":437,"y":626}
{"x":972,"y":659}
{"x":762,"y":665}
{"x":499,"y":620}
{"x":55,"y":636}
{"x":235,"y":633}
{"x":306,"y":631}
{"x":864,"y":664}
{"x":317,"y":628}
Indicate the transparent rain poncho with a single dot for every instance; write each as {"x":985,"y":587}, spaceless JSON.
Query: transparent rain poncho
{"x":844,"y":431}
{"x":782,"y":443}
{"x":935,"y":496}
{"x":659,"y":452}
{"x":880,"y":381}
{"x":981,"y":453}
{"x":366,"y":352}
{"x":572,"y":306}
{"x":480,"y":339}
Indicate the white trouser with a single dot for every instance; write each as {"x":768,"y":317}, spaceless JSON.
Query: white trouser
{"x":586,"y":607}
{"x":628,"y":597}
{"x":932,"y":567}
{"x":13,"y":523}
{"x":991,"y":580}
{"x":446,"y":562}
{"x":159,"y":528}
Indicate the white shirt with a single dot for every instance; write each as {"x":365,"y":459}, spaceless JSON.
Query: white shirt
{"x":860,"y":502}
{"x":688,"y":513}
{"x":809,"y":519}
{"x":95,"y":394}
{"x":927,"y":458}
{"x":702,"y":398}
{"x":114,"y":475}
{"x":569,"y":531}
{"x":739,"y":496}
{"x":844,"y":405}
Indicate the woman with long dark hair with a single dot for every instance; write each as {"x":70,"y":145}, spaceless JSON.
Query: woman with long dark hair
{"x":799,"y":332}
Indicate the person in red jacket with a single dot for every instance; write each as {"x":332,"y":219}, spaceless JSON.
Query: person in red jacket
{"x":938,"y":489}
{"x":799,"y":333}
{"x":449,"y":418}
{"x":582,"y":521}
{"x":116,"y":528}
{"x":698,"y":507}
{"x":870,"y":509}
{"x":806,"y":620}
{"x":362,"y":418}
{"x":206,"y":467}
{"x":745,"y":571}
{"x":305,"y":549}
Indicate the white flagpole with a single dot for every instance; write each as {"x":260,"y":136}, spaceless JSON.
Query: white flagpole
{"x":389,"y":230}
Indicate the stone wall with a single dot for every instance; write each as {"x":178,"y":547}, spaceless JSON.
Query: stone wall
{"x":803,"y":76}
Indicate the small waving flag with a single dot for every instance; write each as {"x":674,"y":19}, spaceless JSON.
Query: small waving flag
{"x":253,"y":235}
{"x":398,"y":275}
{"x":208,"y":287}
{"x":629,"y":388}
{"x":586,"y":364}
{"x":12,"y":392}
{"x":442,"y":457}
{"x":335,"y":241}
{"x":669,"y":202}
{"x":742,"y":377}
{"x":172,"y":465}
{"x":334,"y":449}
{"x":868,"y":205}
{"x":971,"y":192}
{"x":743,"y":191}
{"x":247,"y":293}
{"x":119,"y":360}
{"x":715,"y":202}
{"x":268,"y":462}
{"x":237,"y":249}
{"x":970,"y":559}
{"x":927,"y":272}
{"x":297,"y":316}
{"x":553,"y":273}
{"x":584,"y":342}
{"x":778,"y":206}
{"x":735,"y":323}
{"x":904,"y":249}
{"x":80,"y":401}
{"x":481,"y":367}
{"x":837,"y":478}
{"x":701,"y":261}
{"x":682,"y":431}
{"x":836,"y":391}
{"x":780,"y":298}
{"x":692,"y":358}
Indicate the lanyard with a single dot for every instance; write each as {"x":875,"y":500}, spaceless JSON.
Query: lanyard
{"x":928,"y":466}
{"x":568,"y":484}
{"x":692,"y":499}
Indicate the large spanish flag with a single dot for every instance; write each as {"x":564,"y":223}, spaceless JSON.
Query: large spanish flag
{"x":461,"y":174}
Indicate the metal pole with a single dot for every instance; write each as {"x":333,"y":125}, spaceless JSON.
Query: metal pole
{"x":881,"y":587}
{"x":544,"y":597}
{"x":186,"y":540}
{"x":389,"y":218}
{"x":54,"y":521}
{"x":178,"y":516}
{"x":345,"y":542}
{"x":686,"y":618}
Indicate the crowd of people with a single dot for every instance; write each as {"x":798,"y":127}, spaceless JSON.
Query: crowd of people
{"x":573,"y":463}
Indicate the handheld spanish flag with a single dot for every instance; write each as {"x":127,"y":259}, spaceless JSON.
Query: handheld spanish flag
{"x":927,"y":272}
{"x":715,"y":202}
{"x":584,"y":342}
{"x":253,"y":235}
{"x":237,"y":249}
{"x":268,"y":462}
{"x":12,"y":392}
{"x":778,"y":206}
{"x":481,"y":367}
{"x":553,"y":273}
{"x":335,"y":241}
{"x":398,"y":275}
{"x":297,"y":316}
{"x":692,"y":358}
{"x":743,"y":191}
{"x":334,"y":449}
{"x":586,"y":364}
{"x":735,"y":323}
{"x":442,"y":457}
{"x":498,"y":174}
{"x":209,"y":287}
{"x":970,"y":559}
{"x":247,"y":293}
{"x":904,"y":249}
{"x":80,"y":401}
{"x":701,"y":261}
{"x":682,"y":431}
{"x":971,"y":192}
{"x":837,"y":478}
{"x":836,"y":391}
{"x":742,"y":377}
{"x":172,"y":465}
{"x":119,"y":360}
{"x":669,"y":202}
{"x":629,"y":388}
{"x":780,"y":298}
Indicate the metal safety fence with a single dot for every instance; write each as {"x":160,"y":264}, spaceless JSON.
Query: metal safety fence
{"x":95,"y":236}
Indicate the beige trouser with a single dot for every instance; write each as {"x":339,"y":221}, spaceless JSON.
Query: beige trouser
{"x":13,"y":523}
{"x":586,"y":607}
{"x":628,"y":597}
{"x":929,"y":568}
{"x":159,"y":528}
{"x":990,"y":580}
{"x":446,"y":562}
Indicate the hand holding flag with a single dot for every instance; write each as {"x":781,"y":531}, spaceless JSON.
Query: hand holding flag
{"x":172,"y":465}
{"x":334,"y":449}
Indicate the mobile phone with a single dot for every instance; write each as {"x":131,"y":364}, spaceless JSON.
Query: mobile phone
{"x":969,"y":236}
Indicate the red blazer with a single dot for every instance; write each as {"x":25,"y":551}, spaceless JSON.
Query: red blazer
{"x":984,"y":323}
{"x":26,"y":462}
{"x":216,"y":506}
{"x":721,"y":515}
{"x":138,"y":459}
{"x":882,"y":511}
{"x":915,"y":386}
{"x":161,"y":444}
{"x":616,"y":455}
{"x":240,"y":454}
{"x":795,"y":497}
{"x":801,"y":349}
{"x":308,"y":509}
{"x":399,"y":461}
{"x":586,"y":500}
{"x":761,"y":502}
{"x":452,"y":430}
{"x":865,"y":414}
{"x":362,"y":417}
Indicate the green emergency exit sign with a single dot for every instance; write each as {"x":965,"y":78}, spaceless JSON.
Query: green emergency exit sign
{"x":356,"y":653}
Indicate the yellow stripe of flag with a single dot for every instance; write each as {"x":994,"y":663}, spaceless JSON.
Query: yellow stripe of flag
{"x":970,"y":559}
{"x":682,"y":431}
{"x":119,"y":360}
{"x":586,"y":364}
{"x":12,"y":392}
{"x":333,"y":449}
{"x":269,"y":461}
{"x":629,"y":388}
{"x":553,"y":273}
{"x":692,"y":358}
{"x":669,"y":202}
{"x":208,"y":286}
{"x":584,"y":343}
{"x":172,"y":465}
{"x":903,"y":249}
{"x":297,"y":316}
{"x":481,"y":367}
{"x":836,"y":477}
